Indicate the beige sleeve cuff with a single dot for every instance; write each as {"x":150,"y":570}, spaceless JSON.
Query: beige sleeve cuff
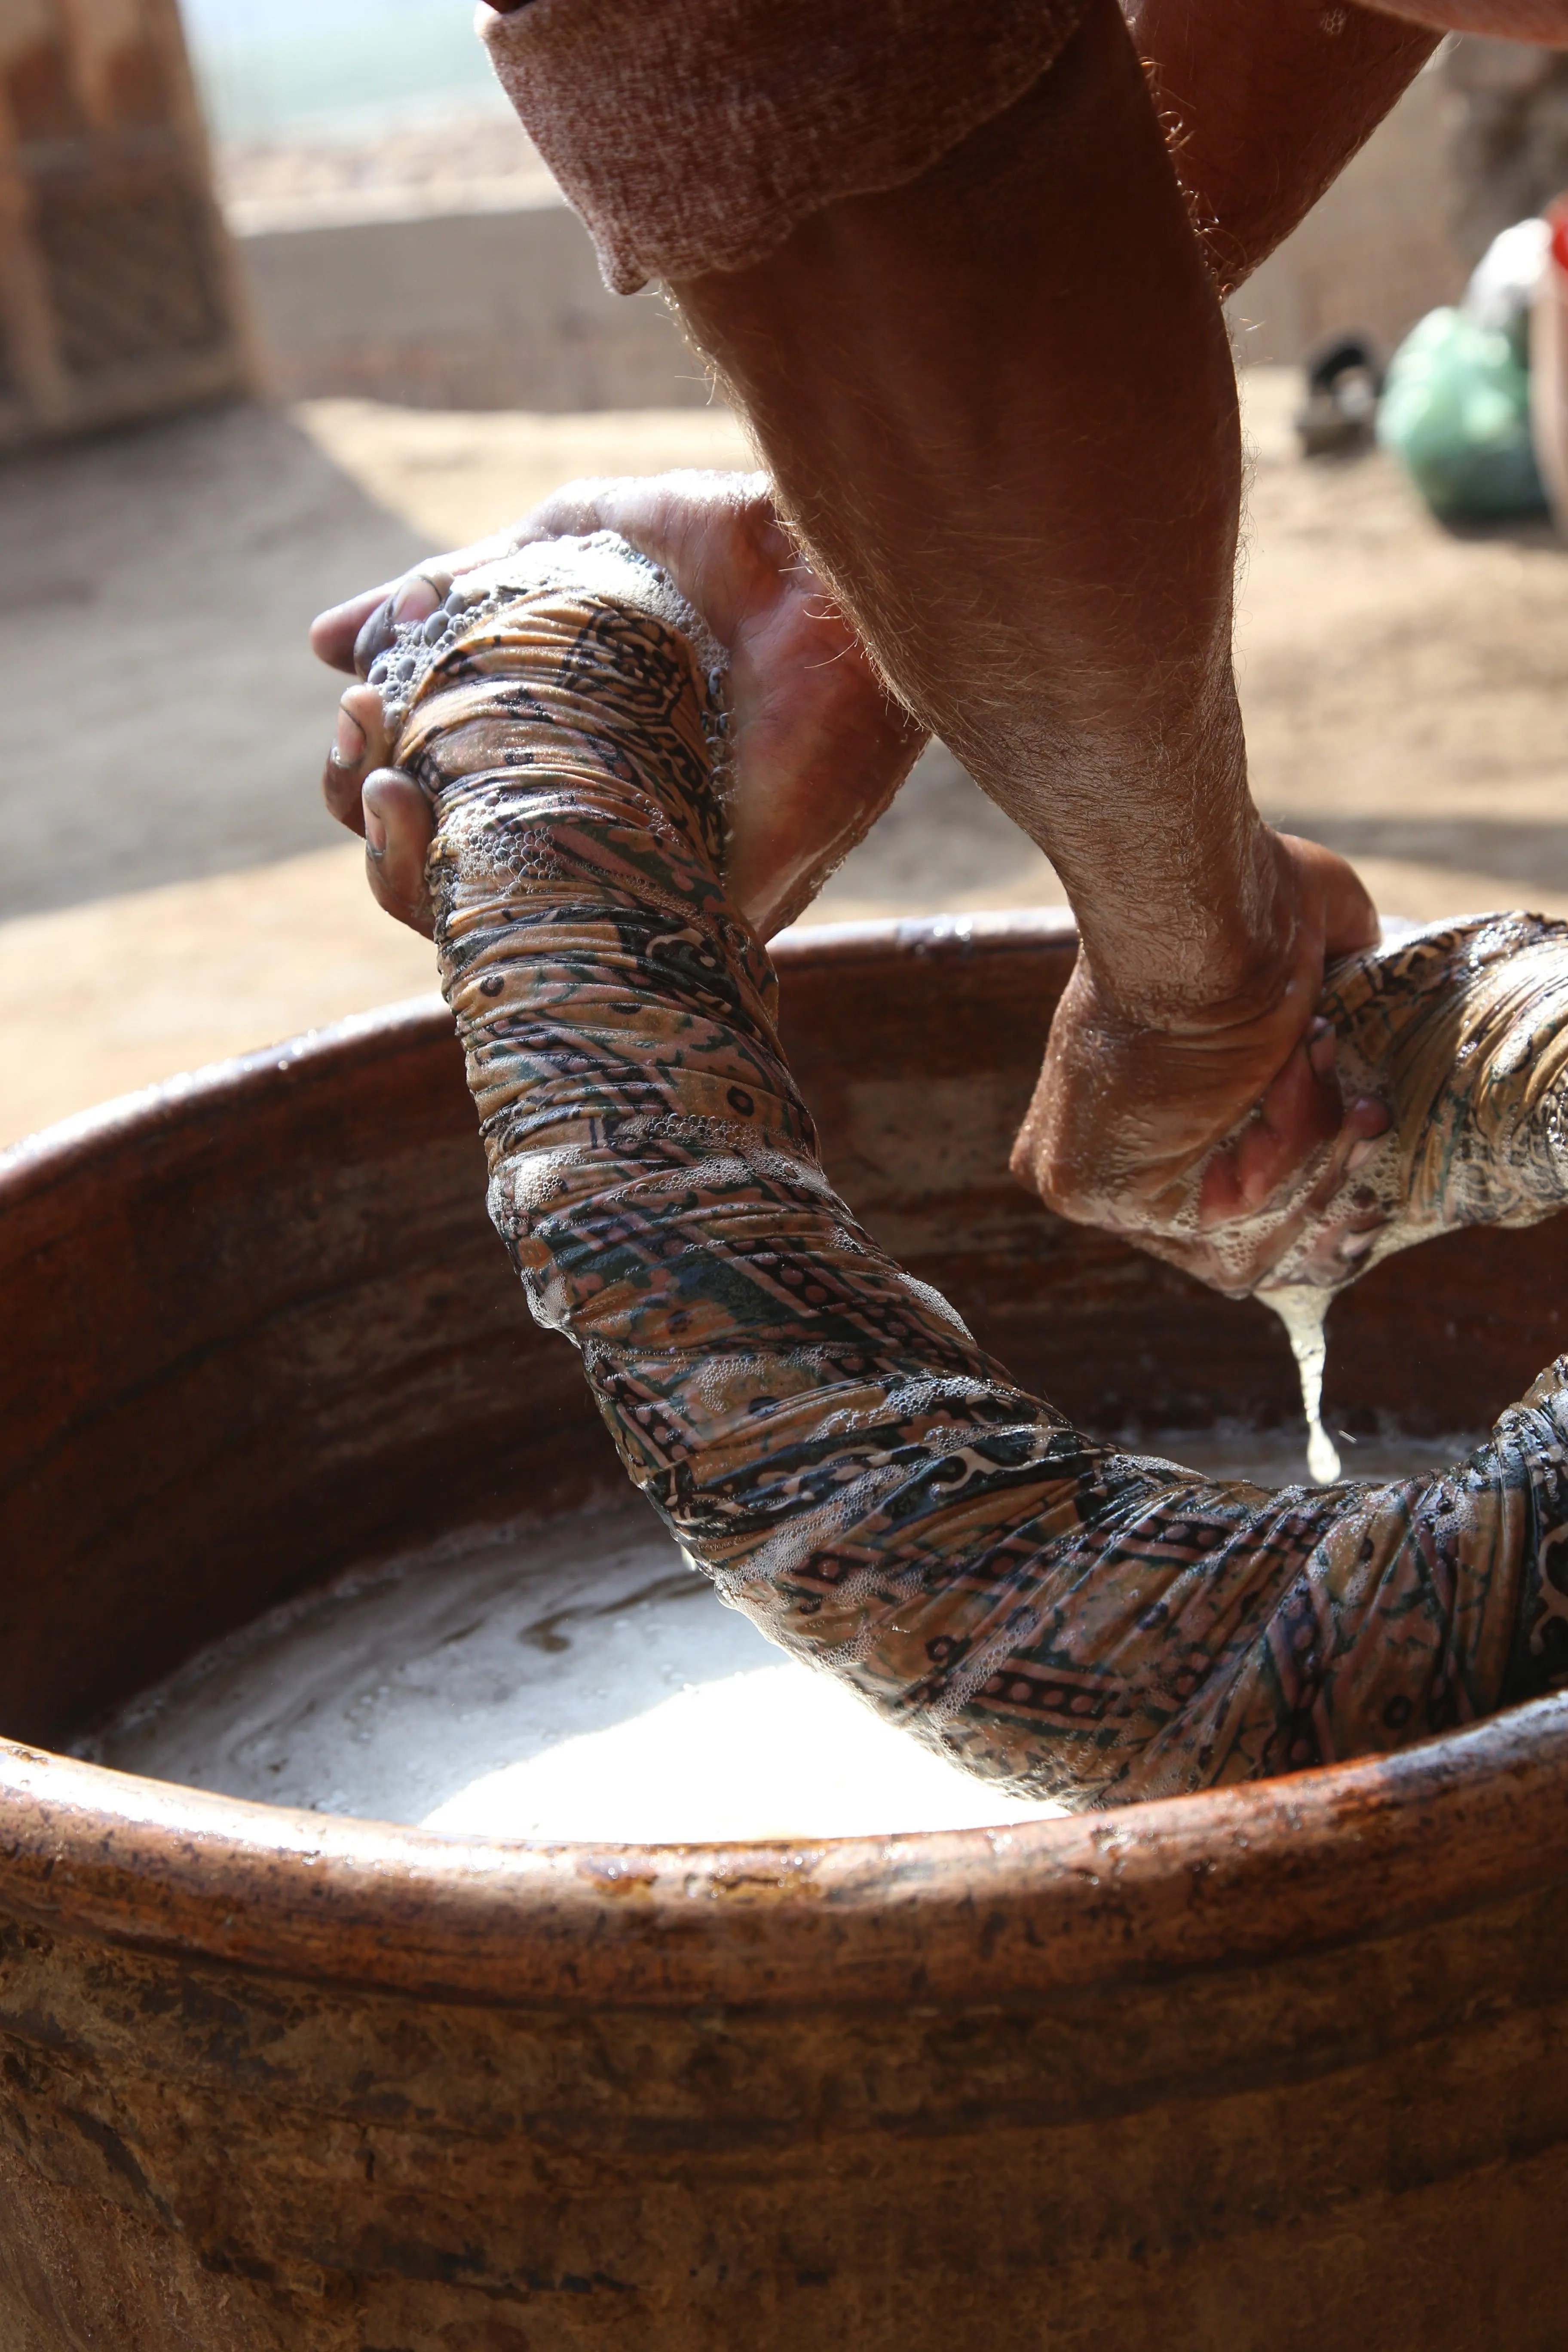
{"x":693,"y":135}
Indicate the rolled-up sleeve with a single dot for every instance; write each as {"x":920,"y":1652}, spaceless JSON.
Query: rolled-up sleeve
{"x":693,"y":135}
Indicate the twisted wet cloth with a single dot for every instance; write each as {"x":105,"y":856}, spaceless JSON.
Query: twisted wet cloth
{"x":818,"y":1430}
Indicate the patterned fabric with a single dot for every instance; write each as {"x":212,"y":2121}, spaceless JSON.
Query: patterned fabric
{"x":818,"y":1430}
{"x":693,"y":135}
{"x":1462,"y":1030}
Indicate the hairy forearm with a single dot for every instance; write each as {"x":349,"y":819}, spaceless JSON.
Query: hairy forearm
{"x":1263,"y":106}
{"x":999,"y":403}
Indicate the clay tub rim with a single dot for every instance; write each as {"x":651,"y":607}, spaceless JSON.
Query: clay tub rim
{"x":1230,"y":1876}
{"x":979,"y":1915}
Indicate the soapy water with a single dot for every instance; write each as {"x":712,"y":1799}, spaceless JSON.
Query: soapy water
{"x":572,"y":1679}
{"x":1303,"y":1309}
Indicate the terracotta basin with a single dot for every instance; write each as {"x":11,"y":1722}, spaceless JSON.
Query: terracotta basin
{"x":1283,"y":2068}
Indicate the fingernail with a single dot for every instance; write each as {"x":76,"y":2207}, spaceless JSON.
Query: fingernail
{"x":415,"y":600}
{"x":374,"y":832}
{"x":1360,"y":1153}
{"x":347,"y":743}
{"x":374,"y":639}
{"x":1321,"y":1051}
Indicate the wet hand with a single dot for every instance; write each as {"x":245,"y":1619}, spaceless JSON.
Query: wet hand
{"x":818,"y":747}
{"x":1217,"y":1137}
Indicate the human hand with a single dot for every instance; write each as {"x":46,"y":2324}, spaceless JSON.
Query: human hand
{"x":818,"y":747}
{"x":1215,"y":1136}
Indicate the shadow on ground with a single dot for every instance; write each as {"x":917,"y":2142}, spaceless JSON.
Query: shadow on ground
{"x":221,"y":534}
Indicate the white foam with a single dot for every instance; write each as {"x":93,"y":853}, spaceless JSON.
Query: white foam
{"x":575,"y":1680}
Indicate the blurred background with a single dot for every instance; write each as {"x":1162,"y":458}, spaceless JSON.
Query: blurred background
{"x":289,"y":301}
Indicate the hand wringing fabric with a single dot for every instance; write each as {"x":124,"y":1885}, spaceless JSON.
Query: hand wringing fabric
{"x":819,"y":1431}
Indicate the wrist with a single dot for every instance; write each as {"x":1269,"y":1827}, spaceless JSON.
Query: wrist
{"x":1219,"y":940}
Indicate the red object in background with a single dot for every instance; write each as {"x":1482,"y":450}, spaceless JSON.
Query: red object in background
{"x":1549,"y":365}
{"x":1557,"y":218}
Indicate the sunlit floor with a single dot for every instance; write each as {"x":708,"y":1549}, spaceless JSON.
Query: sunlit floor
{"x":172,"y":892}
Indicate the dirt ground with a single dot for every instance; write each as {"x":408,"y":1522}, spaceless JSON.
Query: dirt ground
{"x":172,"y":892}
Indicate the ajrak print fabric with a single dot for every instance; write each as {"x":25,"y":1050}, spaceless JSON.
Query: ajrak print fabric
{"x":693,"y":135}
{"x":1462,"y":1030}
{"x":819,"y":1431}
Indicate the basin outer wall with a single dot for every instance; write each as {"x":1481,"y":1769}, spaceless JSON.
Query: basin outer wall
{"x":1281,"y":2067}
{"x":1227,"y":2072}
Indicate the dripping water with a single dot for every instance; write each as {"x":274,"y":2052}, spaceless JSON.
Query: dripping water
{"x":1302,"y":1308}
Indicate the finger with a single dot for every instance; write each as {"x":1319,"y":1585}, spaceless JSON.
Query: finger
{"x":1341,"y":1220}
{"x":359,"y":745}
{"x":715,"y":534}
{"x":1299,"y":1111}
{"x":637,"y":508}
{"x":348,"y":637}
{"x":587,"y":504}
{"x":1367,"y":1120}
{"x":333,"y":632}
{"x":397,"y":829}
{"x":412,"y":601}
{"x":1348,"y":917}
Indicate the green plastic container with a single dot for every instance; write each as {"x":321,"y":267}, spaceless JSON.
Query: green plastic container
{"x":1455,"y":411}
